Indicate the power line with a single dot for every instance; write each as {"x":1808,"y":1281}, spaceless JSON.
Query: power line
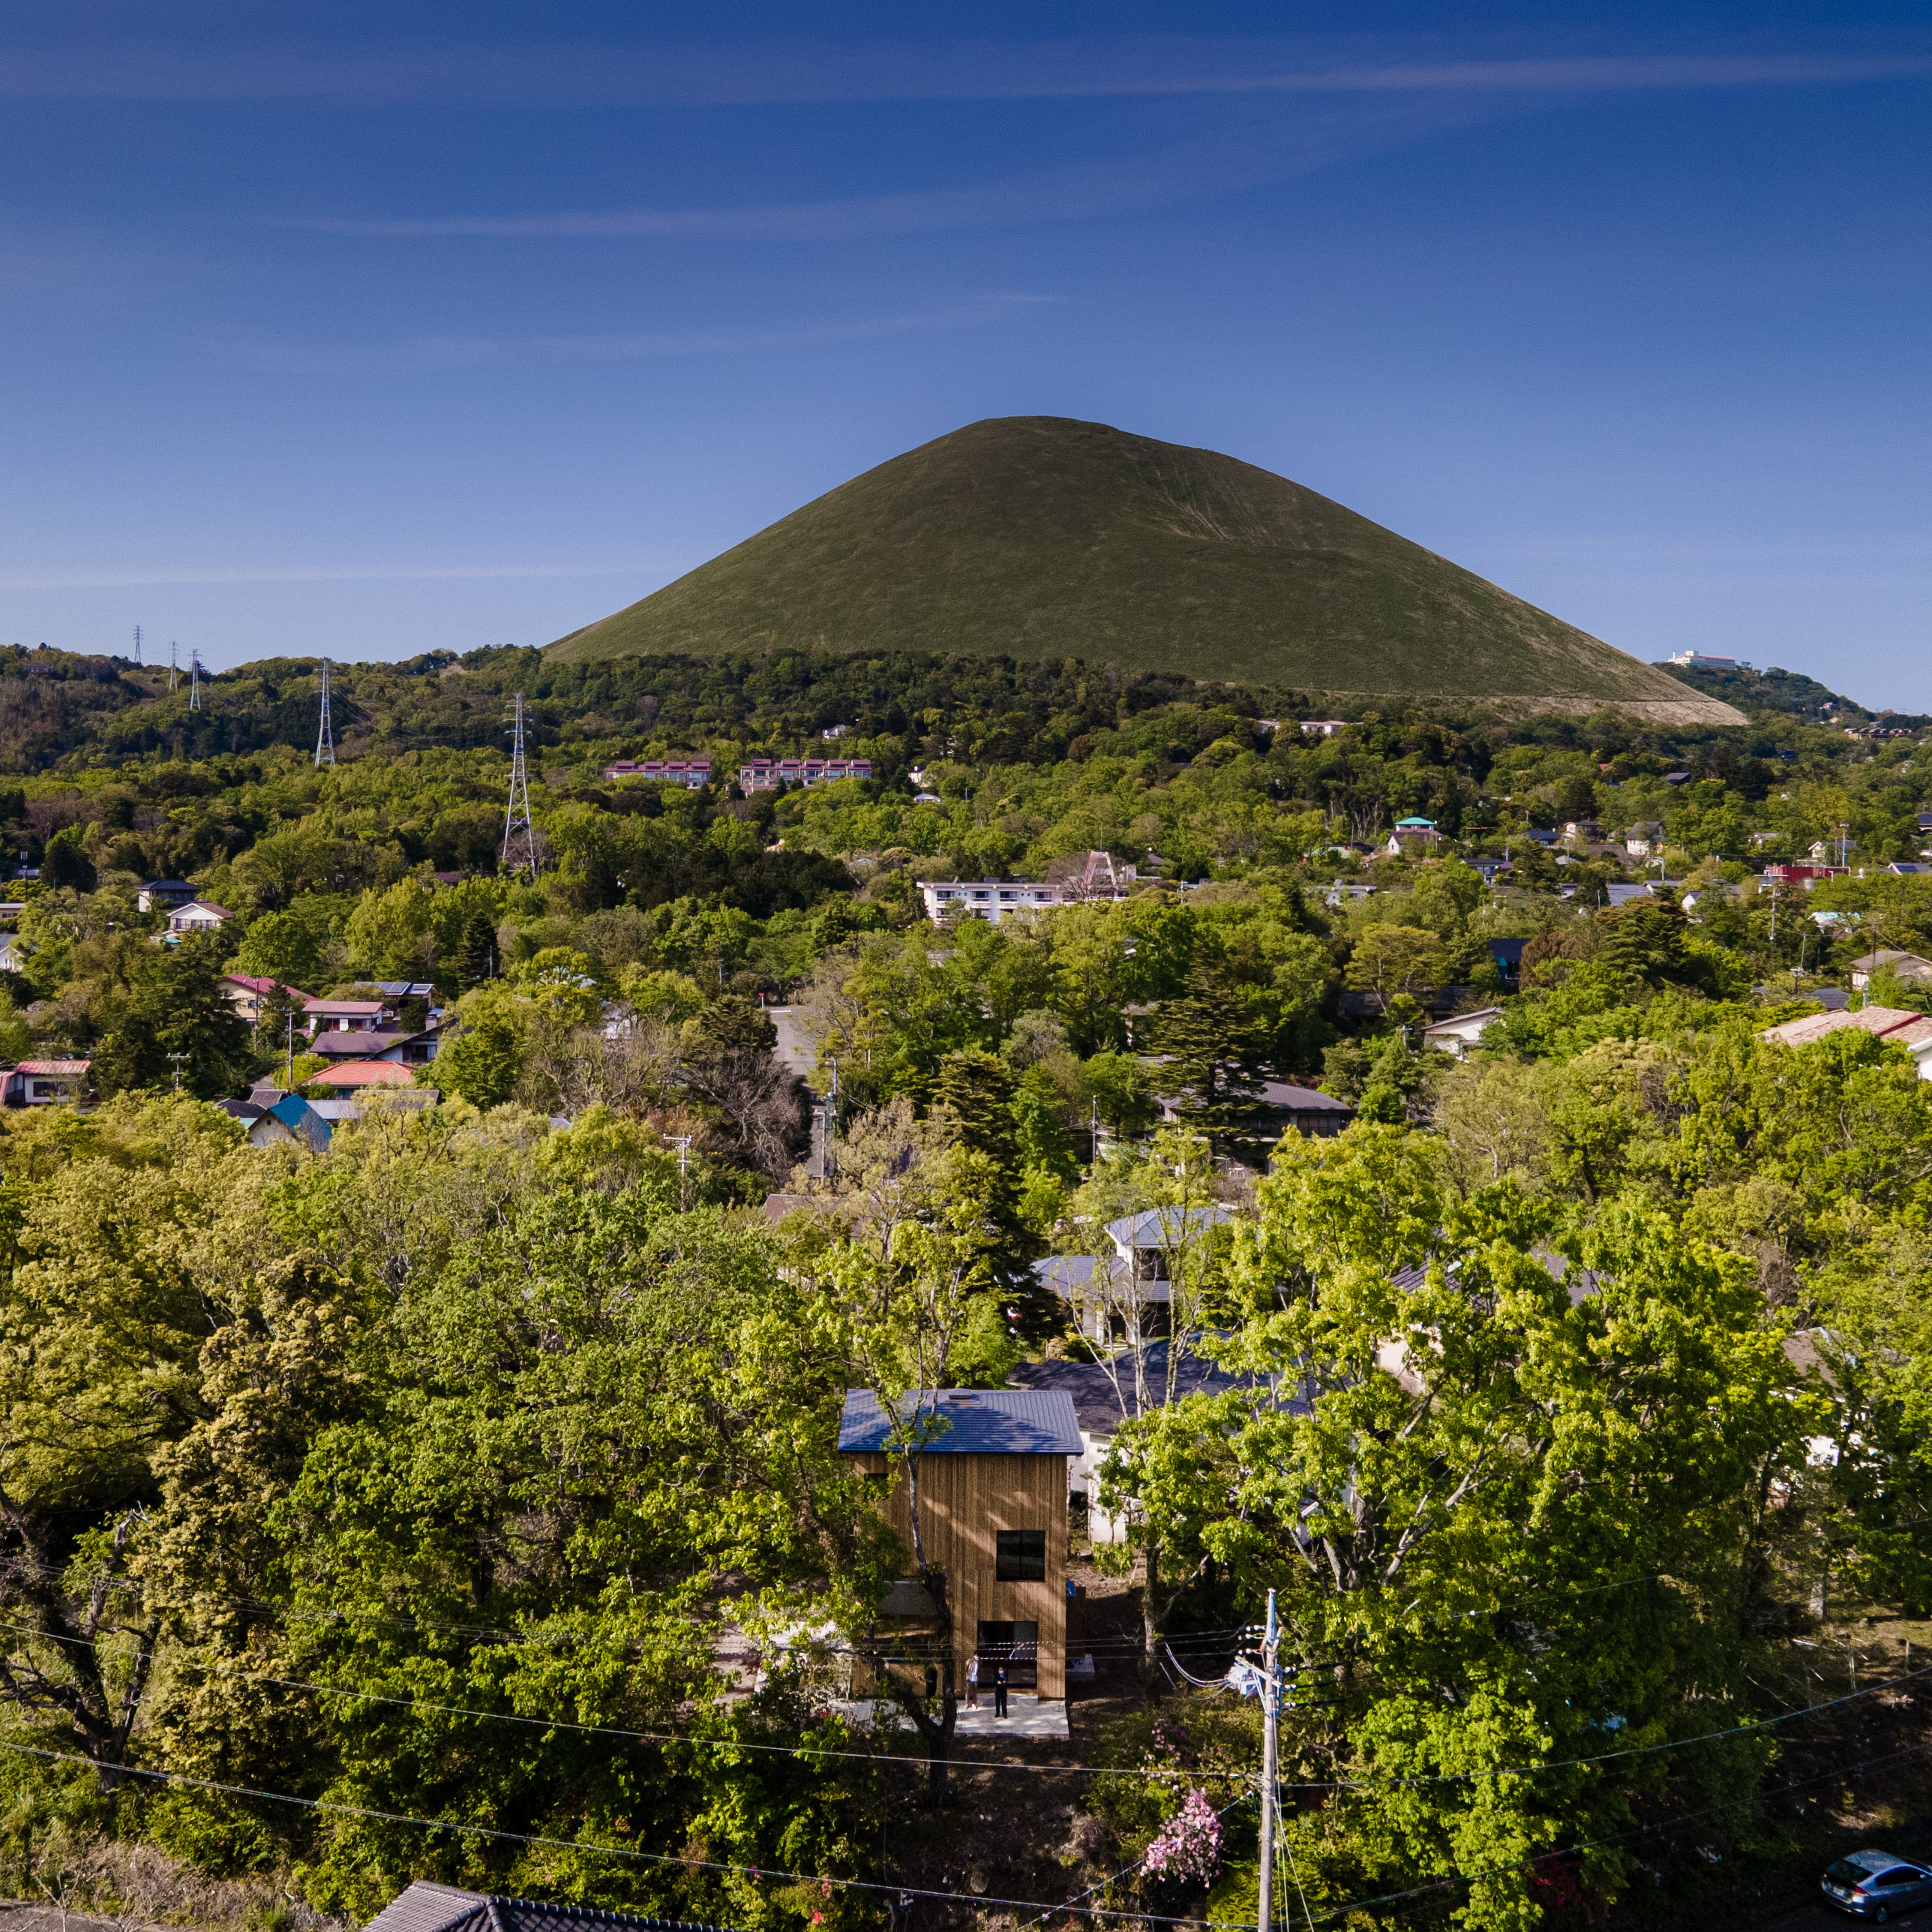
{"x":683,"y":1738}
{"x":969,"y":1764}
{"x":1299,"y":1784}
{"x":581,"y":1845}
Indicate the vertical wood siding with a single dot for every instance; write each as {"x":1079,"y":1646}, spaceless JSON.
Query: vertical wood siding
{"x":963,"y":1501}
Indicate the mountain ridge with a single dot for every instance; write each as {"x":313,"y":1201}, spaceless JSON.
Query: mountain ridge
{"x":1041,"y":537}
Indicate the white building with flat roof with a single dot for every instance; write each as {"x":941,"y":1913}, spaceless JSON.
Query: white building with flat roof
{"x":990,"y":899}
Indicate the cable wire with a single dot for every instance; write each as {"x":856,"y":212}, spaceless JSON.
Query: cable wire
{"x":967,"y":1764}
{"x":323,"y":1804}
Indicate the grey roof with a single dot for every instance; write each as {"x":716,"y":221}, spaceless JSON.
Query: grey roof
{"x":425,"y":1907}
{"x":984,"y":1422}
{"x":1100,"y":1411}
{"x":355,"y":1042}
{"x":1285,"y":1097}
{"x":1156,"y":1227}
{"x":1065,"y":1274}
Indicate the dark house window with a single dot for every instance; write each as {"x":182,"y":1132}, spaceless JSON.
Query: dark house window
{"x":1021,"y":1557}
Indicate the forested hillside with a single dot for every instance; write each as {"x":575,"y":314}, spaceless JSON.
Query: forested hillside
{"x":461,"y":1497}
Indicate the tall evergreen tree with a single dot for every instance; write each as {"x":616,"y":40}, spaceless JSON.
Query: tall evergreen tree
{"x":976,"y":1093}
{"x":1215,"y":1051}
{"x":174,"y":1004}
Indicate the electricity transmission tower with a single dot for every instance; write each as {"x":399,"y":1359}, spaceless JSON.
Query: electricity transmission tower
{"x":516,"y":820}
{"x":174,"y":663}
{"x":194,"y":681}
{"x":324,"y":730}
{"x":137,"y":644}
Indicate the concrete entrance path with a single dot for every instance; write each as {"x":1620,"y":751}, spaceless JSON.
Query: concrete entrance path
{"x":1027,"y":1717}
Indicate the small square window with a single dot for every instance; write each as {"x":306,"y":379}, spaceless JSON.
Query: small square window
{"x":1021,"y":1557}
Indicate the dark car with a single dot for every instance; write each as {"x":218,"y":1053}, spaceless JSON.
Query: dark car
{"x":1876,"y":1885}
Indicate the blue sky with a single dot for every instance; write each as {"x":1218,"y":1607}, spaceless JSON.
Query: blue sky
{"x":371,"y":329}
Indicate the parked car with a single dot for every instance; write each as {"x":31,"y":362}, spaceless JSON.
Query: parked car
{"x":1876,"y":1885}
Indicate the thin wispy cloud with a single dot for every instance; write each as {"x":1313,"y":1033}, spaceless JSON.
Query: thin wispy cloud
{"x":428,"y":353}
{"x":1132,"y":184}
{"x":542,"y":75}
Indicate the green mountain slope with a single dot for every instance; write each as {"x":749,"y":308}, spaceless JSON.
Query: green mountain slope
{"x":1037,"y":537}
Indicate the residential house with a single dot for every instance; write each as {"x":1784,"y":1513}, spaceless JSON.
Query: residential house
{"x":1541,"y":834}
{"x":46,"y":1083}
{"x":992,"y":1486}
{"x":1458,"y":1035}
{"x":1892,"y":1024}
{"x":14,"y":955}
{"x":288,"y":1117}
{"x":1618,"y":895}
{"x":1508,"y":953}
{"x":196,"y":916}
{"x":768,"y":774}
{"x":1804,"y":875}
{"x":1412,"y":835}
{"x":1280,"y":1106}
{"x":345,"y":1043}
{"x":993,"y":900}
{"x":1906,"y":966}
{"x":1126,"y":1289}
{"x":1909,"y":869}
{"x":427,"y":1906}
{"x":1643,"y":838}
{"x":351,"y":1076}
{"x":249,"y":995}
{"x":1581,"y":831}
{"x":164,"y":895}
{"x":1322,"y":727}
{"x":693,"y":773}
{"x":1103,"y":1397}
{"x":333,"y":1016}
{"x":406,"y":1049}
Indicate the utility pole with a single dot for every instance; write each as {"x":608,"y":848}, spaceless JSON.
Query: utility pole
{"x":682,"y":1143}
{"x":177,"y":1058}
{"x":1270,"y":1742}
{"x":324,"y":730}
{"x":194,"y":680}
{"x":291,"y":1016}
{"x":517,"y":818}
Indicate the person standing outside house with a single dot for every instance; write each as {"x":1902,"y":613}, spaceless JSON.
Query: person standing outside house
{"x":1000,"y":1692}
{"x":973,"y":1682}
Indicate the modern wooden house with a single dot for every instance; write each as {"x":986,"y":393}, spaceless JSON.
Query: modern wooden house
{"x":992,"y":1516}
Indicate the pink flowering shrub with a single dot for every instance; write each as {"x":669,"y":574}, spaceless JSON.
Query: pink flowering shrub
{"x":1188,"y":1847}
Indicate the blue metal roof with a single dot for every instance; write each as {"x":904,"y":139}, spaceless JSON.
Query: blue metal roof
{"x":983,"y":1422}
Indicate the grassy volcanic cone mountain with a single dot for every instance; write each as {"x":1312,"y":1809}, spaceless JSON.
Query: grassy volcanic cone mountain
{"x":1038,"y":537}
